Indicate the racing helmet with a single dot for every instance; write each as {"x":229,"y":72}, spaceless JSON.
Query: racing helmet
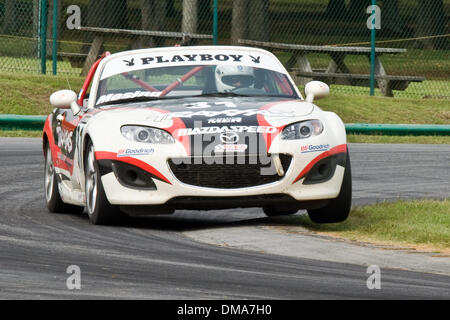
{"x":232,"y":77}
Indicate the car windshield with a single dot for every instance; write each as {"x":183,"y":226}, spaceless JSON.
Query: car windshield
{"x":192,"y":80}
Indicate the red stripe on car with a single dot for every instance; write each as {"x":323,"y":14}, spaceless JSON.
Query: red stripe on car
{"x":104,"y":155}
{"x":55,"y":150}
{"x":177,"y":125}
{"x":336,"y":150}
{"x":269,"y":137}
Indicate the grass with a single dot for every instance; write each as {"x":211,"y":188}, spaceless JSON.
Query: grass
{"x":21,"y":133}
{"x":27,"y":94}
{"x":360,"y":138}
{"x":356,"y":109}
{"x":420,"y":224}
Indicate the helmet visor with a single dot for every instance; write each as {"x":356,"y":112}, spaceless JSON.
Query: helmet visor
{"x":238,"y":80}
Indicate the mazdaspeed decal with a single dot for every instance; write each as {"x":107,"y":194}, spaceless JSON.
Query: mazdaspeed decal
{"x":215,"y":130}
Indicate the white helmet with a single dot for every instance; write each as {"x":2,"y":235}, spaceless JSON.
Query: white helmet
{"x":232,"y":77}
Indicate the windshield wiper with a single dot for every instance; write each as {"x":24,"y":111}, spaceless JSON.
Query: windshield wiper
{"x":223,"y":94}
{"x":234,"y":94}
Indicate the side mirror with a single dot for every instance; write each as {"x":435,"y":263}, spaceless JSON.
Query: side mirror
{"x":316,"y":90}
{"x":65,"y":99}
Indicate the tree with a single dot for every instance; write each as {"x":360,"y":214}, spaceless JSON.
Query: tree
{"x":104,"y":14}
{"x":336,"y":8}
{"x":357,"y":9}
{"x":392,"y":22}
{"x":251,"y":19}
{"x":204,"y":16}
{"x":239,"y":21}
{"x":107,"y":14}
{"x":9,"y":17}
{"x":50,"y":13}
{"x":431,"y":21}
{"x":154,"y":19}
{"x":259,"y":28}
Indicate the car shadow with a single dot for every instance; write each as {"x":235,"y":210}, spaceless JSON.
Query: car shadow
{"x":184,"y":221}
{"x":187,"y":220}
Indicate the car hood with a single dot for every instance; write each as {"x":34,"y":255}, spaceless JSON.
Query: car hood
{"x":208,"y":110}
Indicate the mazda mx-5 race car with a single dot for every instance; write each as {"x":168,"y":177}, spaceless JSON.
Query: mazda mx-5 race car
{"x":205,"y":127}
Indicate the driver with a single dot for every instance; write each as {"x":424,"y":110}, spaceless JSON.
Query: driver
{"x":229,"y":77}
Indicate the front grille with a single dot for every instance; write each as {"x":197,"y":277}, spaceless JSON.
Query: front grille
{"x":228,"y":172}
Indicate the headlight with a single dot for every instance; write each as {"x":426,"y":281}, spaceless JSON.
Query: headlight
{"x":302,"y":130}
{"x":146,"y":134}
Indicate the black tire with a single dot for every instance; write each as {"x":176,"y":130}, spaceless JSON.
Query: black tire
{"x":273,"y":212}
{"x":338,"y":209}
{"x":99,"y":210}
{"x":51,"y":191}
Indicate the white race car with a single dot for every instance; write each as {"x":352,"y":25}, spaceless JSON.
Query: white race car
{"x":204,"y":127}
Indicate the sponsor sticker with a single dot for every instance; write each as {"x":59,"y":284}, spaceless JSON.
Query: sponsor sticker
{"x":314,"y":148}
{"x":224,"y":129}
{"x":128,"y":95}
{"x":225,"y":120}
{"x":228,"y":113}
{"x":135,"y":152}
{"x":230,"y":148}
{"x":64,"y":138}
{"x":155,"y":59}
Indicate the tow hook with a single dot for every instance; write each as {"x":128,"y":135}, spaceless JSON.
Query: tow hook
{"x":278,"y":165}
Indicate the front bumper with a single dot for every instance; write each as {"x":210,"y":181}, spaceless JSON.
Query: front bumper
{"x":171,"y":191}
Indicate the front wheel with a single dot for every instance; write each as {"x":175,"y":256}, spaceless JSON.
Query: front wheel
{"x":338,"y":209}
{"x":99,"y":210}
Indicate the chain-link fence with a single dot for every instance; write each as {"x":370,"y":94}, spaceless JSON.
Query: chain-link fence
{"x":85,"y":28}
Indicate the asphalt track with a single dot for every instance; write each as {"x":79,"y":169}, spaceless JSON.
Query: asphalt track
{"x":150,"y":258}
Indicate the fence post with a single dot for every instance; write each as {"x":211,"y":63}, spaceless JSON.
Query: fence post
{"x":372,"y":53}
{"x":43,"y":25}
{"x":215,"y":21}
{"x":55,"y":37}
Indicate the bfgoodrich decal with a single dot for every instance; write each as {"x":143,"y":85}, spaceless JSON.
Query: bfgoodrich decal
{"x":135,"y":152}
{"x":315,"y":148}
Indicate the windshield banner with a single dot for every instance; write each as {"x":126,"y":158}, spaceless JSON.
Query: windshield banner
{"x":169,"y":57}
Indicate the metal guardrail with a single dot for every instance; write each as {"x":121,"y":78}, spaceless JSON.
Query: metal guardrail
{"x":21,"y":122}
{"x":398,"y":129}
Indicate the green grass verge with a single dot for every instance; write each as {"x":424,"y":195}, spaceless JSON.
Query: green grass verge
{"x":21,"y":133}
{"x":366,"y":109}
{"x":27,"y":94}
{"x":420,"y":224}
{"x":361,"y":138}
